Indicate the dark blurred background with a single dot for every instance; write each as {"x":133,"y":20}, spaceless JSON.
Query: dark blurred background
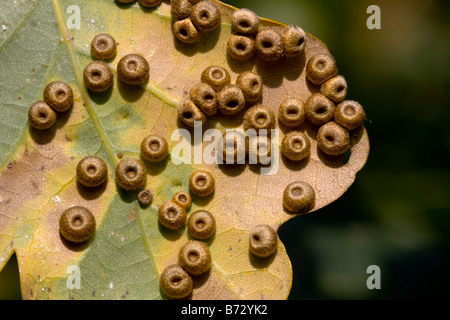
{"x":397,"y":213}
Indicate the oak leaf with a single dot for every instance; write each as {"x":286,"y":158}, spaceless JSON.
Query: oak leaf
{"x":130,"y":248}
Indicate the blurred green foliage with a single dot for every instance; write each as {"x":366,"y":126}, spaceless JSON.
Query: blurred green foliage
{"x":397,"y":213}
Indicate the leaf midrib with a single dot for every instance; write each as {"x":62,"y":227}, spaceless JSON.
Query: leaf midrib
{"x":89,"y":108}
{"x":84,"y":94}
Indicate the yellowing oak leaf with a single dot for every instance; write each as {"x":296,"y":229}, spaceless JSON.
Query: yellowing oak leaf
{"x":41,"y":42}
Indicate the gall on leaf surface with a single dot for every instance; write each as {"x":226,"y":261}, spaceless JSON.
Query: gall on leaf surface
{"x":129,"y":250}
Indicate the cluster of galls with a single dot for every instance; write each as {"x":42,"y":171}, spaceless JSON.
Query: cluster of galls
{"x":131,"y":173}
{"x":329,"y":109}
{"x":334,"y":123}
{"x":193,"y":17}
{"x":172,"y":214}
{"x":77,"y":224}
{"x":217,"y":93}
{"x":132,"y":69}
{"x":58,"y":97}
{"x":194,"y":258}
{"x":269,"y":43}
